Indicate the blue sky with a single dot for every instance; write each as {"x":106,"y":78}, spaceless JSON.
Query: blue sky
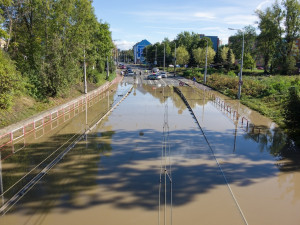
{"x":132,"y":21}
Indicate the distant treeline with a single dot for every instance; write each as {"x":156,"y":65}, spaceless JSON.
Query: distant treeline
{"x":45,"y":45}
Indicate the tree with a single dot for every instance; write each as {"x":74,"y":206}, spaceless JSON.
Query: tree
{"x":49,"y":40}
{"x":292,"y":32}
{"x":270,"y":32}
{"x":224,"y":55}
{"x":249,"y":62}
{"x":192,"y":41}
{"x":10,"y":80}
{"x":200,"y":55}
{"x":235,"y":42}
{"x":182,"y":55}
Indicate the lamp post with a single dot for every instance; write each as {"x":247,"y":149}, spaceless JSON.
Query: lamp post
{"x":241,"y":72}
{"x":175,"y":62}
{"x":205,"y":71}
{"x":84,"y":71}
{"x":155,"y":62}
{"x":164,"y":55}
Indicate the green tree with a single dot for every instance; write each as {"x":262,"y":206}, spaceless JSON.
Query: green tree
{"x":270,"y":32}
{"x":200,"y":55}
{"x":182,"y":55}
{"x":292,"y":32}
{"x":235,"y":42}
{"x":224,"y":55}
{"x":10,"y":80}
{"x":249,"y":62}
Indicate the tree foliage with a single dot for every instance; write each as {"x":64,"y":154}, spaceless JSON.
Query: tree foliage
{"x":280,"y":28}
{"x":50,"y":39}
{"x":182,"y":55}
{"x":10,"y":80}
{"x":200,"y":55}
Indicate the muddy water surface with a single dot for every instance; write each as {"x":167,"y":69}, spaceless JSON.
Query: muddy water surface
{"x":112,"y":177}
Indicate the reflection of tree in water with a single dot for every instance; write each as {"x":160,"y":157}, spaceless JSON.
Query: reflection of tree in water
{"x":277,"y":143}
{"x":195,"y":96}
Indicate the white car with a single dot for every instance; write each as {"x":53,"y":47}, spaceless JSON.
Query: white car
{"x":163,"y":74}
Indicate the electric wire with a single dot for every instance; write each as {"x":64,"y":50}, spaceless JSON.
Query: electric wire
{"x":213,"y":154}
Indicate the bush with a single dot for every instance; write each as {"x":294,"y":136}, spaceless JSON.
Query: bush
{"x":291,"y":113}
{"x":231,"y":73}
{"x":10,"y":80}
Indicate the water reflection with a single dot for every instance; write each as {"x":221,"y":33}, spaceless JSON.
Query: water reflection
{"x":27,"y":156}
{"x":112,"y":175}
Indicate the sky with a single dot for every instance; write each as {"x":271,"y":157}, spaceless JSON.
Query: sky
{"x":132,"y":21}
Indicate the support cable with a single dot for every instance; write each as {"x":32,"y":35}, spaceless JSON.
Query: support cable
{"x":165,"y":160}
{"x":212,"y":152}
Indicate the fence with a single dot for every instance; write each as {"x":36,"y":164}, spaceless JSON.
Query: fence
{"x":44,"y":120}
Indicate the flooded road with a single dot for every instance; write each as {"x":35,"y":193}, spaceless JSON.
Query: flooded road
{"x":113,"y":176}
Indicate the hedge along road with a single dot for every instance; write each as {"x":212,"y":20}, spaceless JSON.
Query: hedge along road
{"x":113,"y":175}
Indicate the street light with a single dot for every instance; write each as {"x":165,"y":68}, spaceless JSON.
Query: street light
{"x":175,"y":61}
{"x":164,"y":56}
{"x":241,"y":72}
{"x":155,"y":62}
{"x":205,"y":72}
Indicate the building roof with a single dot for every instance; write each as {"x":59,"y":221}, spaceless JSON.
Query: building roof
{"x":143,"y":43}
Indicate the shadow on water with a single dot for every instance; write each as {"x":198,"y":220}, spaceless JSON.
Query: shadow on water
{"x":112,"y":161}
{"x":128,"y":162}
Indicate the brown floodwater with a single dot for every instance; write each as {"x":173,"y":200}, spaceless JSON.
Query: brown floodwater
{"x":116,"y":175}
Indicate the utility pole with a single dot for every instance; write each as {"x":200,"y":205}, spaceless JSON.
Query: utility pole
{"x":155,"y":54}
{"x":175,"y":62}
{"x":242,"y":63}
{"x":107,"y":68}
{"x":164,"y":56}
{"x":84,"y":70}
{"x":205,"y":72}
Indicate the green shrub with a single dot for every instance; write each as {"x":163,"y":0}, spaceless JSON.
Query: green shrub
{"x":10,"y":80}
{"x":231,"y":73}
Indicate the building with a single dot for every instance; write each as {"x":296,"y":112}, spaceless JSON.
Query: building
{"x":215,"y":40}
{"x":138,"y":51}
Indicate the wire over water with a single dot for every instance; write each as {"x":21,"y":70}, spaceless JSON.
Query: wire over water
{"x":164,"y":173}
{"x":212,"y":151}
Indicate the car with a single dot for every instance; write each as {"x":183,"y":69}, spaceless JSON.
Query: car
{"x":163,"y":74}
{"x":155,"y":70}
{"x":158,"y":76}
{"x":130,"y":72}
{"x":151,"y":77}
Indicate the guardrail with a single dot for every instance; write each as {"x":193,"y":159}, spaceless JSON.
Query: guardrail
{"x":42,"y":121}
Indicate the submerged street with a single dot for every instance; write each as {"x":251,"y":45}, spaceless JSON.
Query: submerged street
{"x":234,"y":170}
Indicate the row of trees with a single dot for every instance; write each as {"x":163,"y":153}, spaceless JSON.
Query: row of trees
{"x":190,"y":50}
{"x":49,"y":40}
{"x":274,"y":47}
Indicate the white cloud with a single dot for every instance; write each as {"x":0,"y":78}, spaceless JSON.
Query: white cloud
{"x":124,"y":45}
{"x":205,"y":15}
{"x":241,"y":19}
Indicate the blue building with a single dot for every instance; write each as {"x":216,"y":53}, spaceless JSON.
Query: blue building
{"x":215,"y":40}
{"x":138,"y":51}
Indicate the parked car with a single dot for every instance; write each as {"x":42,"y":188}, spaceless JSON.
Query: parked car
{"x":163,"y":74}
